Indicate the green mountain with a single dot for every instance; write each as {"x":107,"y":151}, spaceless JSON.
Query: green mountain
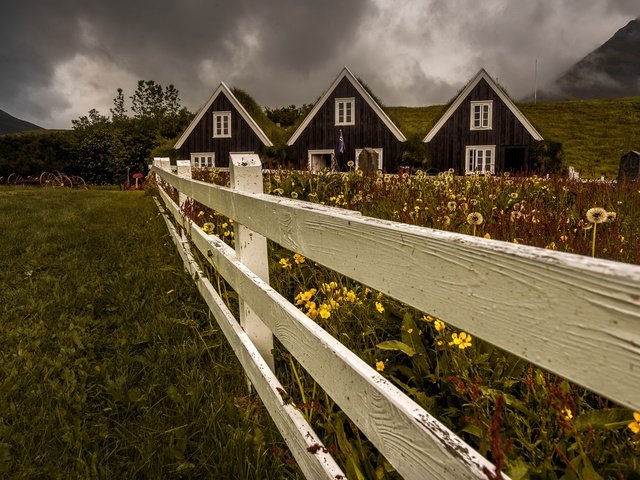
{"x":611,"y":70}
{"x":11,"y":124}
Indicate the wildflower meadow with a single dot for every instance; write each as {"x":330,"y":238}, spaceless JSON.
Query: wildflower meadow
{"x":530,"y":423}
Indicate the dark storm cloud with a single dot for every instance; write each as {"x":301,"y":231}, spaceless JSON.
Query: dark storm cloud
{"x":58,"y":59}
{"x":166,"y":41}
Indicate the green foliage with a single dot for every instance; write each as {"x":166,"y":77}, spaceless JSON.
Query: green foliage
{"x":36,"y":152}
{"x":288,"y":116}
{"x":594,"y":133}
{"x":111,"y":365}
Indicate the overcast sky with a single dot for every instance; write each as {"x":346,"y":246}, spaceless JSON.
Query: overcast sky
{"x":58,"y":59}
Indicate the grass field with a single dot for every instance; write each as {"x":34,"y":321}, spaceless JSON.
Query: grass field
{"x":109,"y":364}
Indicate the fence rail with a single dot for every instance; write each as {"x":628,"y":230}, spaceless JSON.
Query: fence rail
{"x":577,"y":317}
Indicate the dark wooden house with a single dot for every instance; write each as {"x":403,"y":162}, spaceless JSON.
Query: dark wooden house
{"x":221,"y":127}
{"x":341,"y":124}
{"x":482,"y":131}
{"x":629,"y":166}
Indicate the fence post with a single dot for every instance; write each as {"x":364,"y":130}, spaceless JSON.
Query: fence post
{"x":163,"y":163}
{"x":246,"y":176}
{"x":184,"y":171}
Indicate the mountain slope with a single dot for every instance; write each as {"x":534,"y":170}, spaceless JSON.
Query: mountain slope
{"x":11,"y":124}
{"x":611,"y":70}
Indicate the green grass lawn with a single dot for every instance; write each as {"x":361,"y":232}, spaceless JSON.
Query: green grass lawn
{"x":110,"y":366}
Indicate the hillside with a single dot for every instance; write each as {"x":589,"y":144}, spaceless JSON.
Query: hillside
{"x":11,"y":124}
{"x":611,"y":70}
{"x":594,"y":133}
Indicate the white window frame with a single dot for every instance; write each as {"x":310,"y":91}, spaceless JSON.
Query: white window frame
{"x":222,"y":117}
{"x":341,"y":111}
{"x":327,"y":151}
{"x":377,"y":150}
{"x":203,"y":159}
{"x":475,"y":159}
{"x":484,"y":123}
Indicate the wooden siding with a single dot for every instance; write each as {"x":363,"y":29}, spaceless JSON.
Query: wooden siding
{"x":447,"y":148}
{"x":369,"y":131}
{"x":243,"y":138}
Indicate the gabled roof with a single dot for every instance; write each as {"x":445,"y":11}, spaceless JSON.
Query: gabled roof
{"x":482,"y":74}
{"x":238,"y":106}
{"x":362,"y":91}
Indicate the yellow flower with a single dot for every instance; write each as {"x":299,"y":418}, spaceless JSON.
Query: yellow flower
{"x":325,"y":311}
{"x":487,"y":236}
{"x":566,"y":413}
{"x":379,"y":307}
{"x":224,"y":225}
{"x":635,"y":426}
{"x":208,"y":228}
{"x":200,"y":213}
{"x":439,"y":325}
{"x":427,"y":318}
{"x":298,"y":258}
{"x":350,"y":296}
{"x":284,"y":262}
{"x":380,"y":366}
{"x":462,"y":341}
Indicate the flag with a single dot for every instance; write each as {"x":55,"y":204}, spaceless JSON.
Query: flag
{"x":341,"y":143}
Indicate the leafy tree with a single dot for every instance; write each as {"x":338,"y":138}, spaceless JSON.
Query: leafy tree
{"x":287,"y":116}
{"x":118,"y":112}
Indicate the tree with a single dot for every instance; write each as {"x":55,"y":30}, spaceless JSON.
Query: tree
{"x":148,"y":101}
{"x":118,"y":112}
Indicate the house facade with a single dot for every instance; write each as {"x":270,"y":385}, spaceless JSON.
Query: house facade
{"x":482,"y":131}
{"x":221,"y":127}
{"x":344,"y":121}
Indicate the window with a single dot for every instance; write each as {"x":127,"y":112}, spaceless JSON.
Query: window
{"x":480,"y":159}
{"x":221,"y":124}
{"x":481,"y":113}
{"x":345,"y":114}
{"x":203,"y":160}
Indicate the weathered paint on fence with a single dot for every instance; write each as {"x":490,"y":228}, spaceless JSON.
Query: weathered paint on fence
{"x":412,"y":440}
{"x":306,"y":447}
{"x":575,"y":316}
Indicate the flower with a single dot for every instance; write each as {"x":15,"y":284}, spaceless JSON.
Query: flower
{"x":462,"y":341}
{"x":350,"y":296}
{"x":350,"y":163}
{"x":298,"y":258}
{"x":597,"y":215}
{"x":514,"y":195}
{"x":200,"y":213}
{"x":379,"y":307}
{"x":566,"y":413}
{"x":611,"y":216}
{"x":294,"y":195}
{"x":475,"y":218}
{"x":325,"y":311}
{"x":439,"y":325}
{"x":487,"y":236}
{"x":208,"y":228}
{"x":452,"y":206}
{"x":285,"y":263}
{"x":635,"y":426}
{"x":427,"y":318}
{"x":379,"y":365}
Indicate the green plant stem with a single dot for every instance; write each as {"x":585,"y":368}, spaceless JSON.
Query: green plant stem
{"x":299,"y":383}
{"x":593,"y":240}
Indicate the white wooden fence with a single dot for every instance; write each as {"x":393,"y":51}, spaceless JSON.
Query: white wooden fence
{"x":575,"y":316}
